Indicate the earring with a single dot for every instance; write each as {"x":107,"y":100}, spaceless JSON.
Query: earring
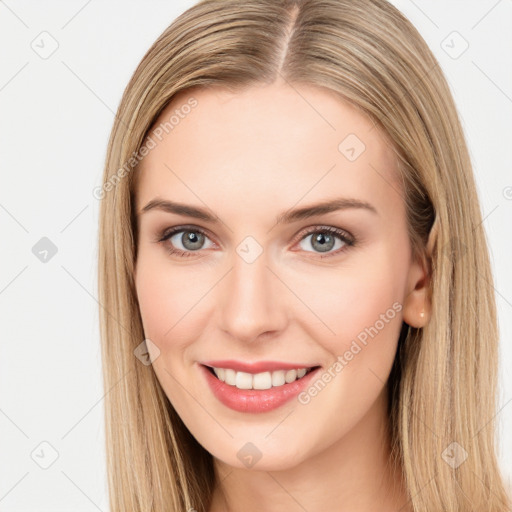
{"x":422,"y":314}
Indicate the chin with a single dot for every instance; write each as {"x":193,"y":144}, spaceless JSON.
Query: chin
{"x":256,"y":456}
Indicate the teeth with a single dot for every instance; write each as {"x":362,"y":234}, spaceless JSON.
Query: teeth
{"x":264,"y":380}
{"x":278,"y":378}
{"x":221,"y":373}
{"x":230,"y":376}
{"x":243,"y":380}
{"x":290,"y":376}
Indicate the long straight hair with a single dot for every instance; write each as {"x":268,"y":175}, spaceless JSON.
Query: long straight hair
{"x":443,"y":384}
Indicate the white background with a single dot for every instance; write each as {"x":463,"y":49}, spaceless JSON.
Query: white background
{"x":55,"y":121}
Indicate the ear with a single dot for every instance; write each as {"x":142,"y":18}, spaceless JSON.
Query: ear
{"x":417,"y":303}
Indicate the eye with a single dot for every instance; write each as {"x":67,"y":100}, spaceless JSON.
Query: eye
{"x":325,"y":238}
{"x":184,"y":241}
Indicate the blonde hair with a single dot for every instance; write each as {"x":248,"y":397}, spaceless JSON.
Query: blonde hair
{"x":443,"y":385}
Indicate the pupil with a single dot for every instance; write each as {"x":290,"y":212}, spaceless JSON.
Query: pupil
{"x":192,"y":240}
{"x":326,"y":242}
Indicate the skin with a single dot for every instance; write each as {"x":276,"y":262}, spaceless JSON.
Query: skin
{"x":247,"y":157}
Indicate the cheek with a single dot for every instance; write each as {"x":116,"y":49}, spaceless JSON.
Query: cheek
{"x":155,"y":302}
{"x":170,"y":309}
{"x":360,"y":312}
{"x":171,"y":303}
{"x":158,"y":301}
{"x":356,"y":306}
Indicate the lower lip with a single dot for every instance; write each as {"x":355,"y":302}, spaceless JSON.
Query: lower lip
{"x":255,"y":400}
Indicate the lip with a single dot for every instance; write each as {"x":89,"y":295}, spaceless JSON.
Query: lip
{"x":255,"y":400}
{"x":256,"y":367}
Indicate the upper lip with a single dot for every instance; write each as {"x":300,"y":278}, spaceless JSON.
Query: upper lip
{"x":256,"y":366}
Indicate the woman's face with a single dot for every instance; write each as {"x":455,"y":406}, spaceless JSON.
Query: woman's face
{"x":263,"y":281}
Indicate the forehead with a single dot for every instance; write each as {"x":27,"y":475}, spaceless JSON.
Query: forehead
{"x":289,"y":142}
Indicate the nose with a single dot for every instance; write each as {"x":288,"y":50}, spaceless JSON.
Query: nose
{"x":252,"y":304}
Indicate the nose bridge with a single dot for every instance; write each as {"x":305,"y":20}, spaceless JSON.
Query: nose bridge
{"x":250,"y":304}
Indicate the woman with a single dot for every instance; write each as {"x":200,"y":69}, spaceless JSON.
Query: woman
{"x":293,"y":271}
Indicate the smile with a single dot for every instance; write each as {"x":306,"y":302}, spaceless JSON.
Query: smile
{"x":256,"y":387}
{"x":263,"y":380}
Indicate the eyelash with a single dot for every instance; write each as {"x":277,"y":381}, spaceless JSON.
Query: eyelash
{"x":344,"y":236}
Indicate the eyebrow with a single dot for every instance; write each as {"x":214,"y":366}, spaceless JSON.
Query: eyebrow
{"x":286,"y":217}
